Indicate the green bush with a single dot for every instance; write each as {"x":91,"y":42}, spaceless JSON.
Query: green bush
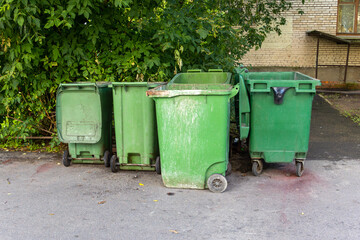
{"x":46,"y":42}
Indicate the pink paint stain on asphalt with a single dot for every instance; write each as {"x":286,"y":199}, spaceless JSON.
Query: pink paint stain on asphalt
{"x":6,"y":162}
{"x":284,"y":186}
{"x":44,"y":167}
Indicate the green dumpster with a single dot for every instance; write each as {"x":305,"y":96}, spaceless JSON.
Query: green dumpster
{"x":212,"y":76}
{"x":135,"y":127}
{"x":83,"y":120}
{"x":193,"y":129}
{"x":280,"y":105}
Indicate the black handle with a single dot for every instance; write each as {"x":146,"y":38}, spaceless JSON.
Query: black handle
{"x":279,"y":93}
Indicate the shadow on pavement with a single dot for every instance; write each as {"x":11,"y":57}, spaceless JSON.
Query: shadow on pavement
{"x":332,"y":136}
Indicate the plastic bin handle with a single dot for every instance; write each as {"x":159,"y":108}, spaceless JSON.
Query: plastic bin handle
{"x":77,"y":85}
{"x":234,"y":91}
{"x":215,"y":70}
{"x":194,"y":70}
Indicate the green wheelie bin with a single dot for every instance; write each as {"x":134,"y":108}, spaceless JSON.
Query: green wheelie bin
{"x":212,"y":76}
{"x":135,"y":127}
{"x":83,"y":120}
{"x":193,"y":129}
{"x":280,"y":104}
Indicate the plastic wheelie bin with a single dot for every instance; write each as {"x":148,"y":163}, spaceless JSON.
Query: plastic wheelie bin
{"x":193,"y":129}
{"x":213,"y":76}
{"x":135,"y":127}
{"x":280,"y":104}
{"x":83,"y":119}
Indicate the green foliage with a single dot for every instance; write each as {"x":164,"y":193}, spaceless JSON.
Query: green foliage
{"x":46,"y":42}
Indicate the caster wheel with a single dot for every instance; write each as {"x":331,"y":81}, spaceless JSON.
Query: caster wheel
{"x":228,"y":170}
{"x":158,"y":165}
{"x":113,"y":164}
{"x":299,"y":168}
{"x":257,"y":167}
{"x":106,"y":158}
{"x":217,"y":183}
{"x":66,"y":159}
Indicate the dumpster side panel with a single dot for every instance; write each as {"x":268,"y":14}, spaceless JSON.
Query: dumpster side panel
{"x":193,"y":139}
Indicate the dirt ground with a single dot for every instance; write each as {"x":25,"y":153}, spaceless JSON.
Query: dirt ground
{"x":348,"y":105}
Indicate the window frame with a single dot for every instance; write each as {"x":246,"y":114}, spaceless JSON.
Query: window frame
{"x":355,"y":33}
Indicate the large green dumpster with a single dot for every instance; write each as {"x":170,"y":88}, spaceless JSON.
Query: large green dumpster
{"x":193,"y":129}
{"x":212,"y":76}
{"x":83,"y":119}
{"x":280,"y":117}
{"x":135,"y":127}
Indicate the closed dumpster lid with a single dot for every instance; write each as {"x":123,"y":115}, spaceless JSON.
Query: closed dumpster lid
{"x":79,"y":113}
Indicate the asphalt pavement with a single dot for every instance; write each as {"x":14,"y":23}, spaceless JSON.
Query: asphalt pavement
{"x":42,"y":199}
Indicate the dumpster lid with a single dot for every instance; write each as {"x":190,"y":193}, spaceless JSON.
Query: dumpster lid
{"x":137,"y":84}
{"x":80,"y":122}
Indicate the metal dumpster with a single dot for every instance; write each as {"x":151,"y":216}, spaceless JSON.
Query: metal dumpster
{"x":83,"y":119}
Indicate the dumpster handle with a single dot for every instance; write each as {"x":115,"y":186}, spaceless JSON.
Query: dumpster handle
{"x":235,"y":90}
{"x":194,"y":70}
{"x":215,"y":70}
{"x":279,"y":93}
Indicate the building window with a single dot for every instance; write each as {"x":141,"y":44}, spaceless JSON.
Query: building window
{"x":348,"y":17}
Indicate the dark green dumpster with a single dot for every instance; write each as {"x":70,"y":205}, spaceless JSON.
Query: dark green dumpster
{"x":83,"y":119}
{"x":280,"y":105}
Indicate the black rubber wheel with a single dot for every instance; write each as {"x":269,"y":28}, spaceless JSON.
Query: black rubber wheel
{"x":217,"y":183}
{"x":228,"y":170}
{"x":158,"y":165}
{"x":106,"y":158}
{"x":113,"y":164}
{"x":66,"y":158}
{"x":257,"y":167}
{"x":299,"y":168}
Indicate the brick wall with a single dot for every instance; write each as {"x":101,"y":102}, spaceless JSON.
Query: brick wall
{"x":295,"y":49}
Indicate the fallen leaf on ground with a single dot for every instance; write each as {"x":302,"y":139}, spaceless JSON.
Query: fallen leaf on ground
{"x":52,"y":214}
{"x":155,"y":200}
{"x":24,"y":153}
{"x":173,"y":231}
{"x":141,"y":184}
{"x":101,"y":202}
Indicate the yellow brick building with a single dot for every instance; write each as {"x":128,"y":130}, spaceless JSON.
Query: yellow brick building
{"x":295,"y":50}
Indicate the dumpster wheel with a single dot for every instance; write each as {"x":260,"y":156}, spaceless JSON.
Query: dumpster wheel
{"x":66,"y":158}
{"x":299,"y":168}
{"x":217,"y":183}
{"x":257,"y":167}
{"x":114,"y":164}
{"x":158,"y":165}
{"x":106,"y":158}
